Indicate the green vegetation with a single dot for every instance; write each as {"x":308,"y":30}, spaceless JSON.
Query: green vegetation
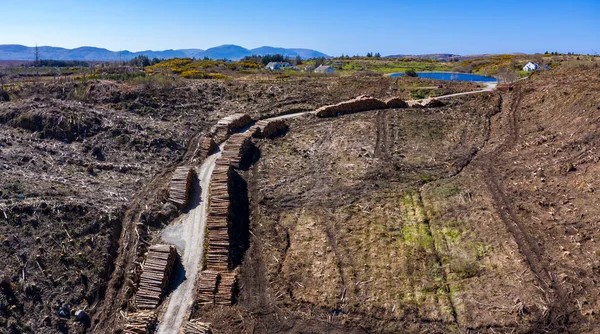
{"x":201,"y":69}
{"x":384,"y":65}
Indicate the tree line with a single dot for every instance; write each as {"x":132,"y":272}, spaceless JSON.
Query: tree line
{"x":264,"y":60}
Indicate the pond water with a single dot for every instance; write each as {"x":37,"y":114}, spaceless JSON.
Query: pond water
{"x":450,"y":76}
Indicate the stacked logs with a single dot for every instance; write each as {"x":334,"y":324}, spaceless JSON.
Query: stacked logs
{"x":207,"y":287}
{"x":229,"y":125}
{"x":432,"y":103}
{"x":217,"y":283}
{"x":270,"y":128}
{"x":504,"y":87}
{"x":181,"y":183}
{"x":224,"y":294}
{"x":361,"y":103}
{"x":396,"y":102}
{"x":235,"y":122}
{"x":140,"y":323}
{"x":216,"y":287}
{"x":207,"y":146}
{"x":155,"y":277}
{"x":365,"y":103}
{"x":236,"y":147}
{"x":217,"y":257}
{"x":196,"y":327}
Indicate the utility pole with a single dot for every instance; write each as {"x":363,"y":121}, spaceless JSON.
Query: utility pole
{"x":37,"y":60}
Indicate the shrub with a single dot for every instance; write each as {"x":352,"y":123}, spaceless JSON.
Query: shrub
{"x":193,"y":74}
{"x":4,"y":97}
{"x":411,"y":73}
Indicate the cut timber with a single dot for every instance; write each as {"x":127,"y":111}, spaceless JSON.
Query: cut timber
{"x":140,"y":322}
{"x":230,"y":124}
{"x":181,"y":184}
{"x":225,"y":288}
{"x":504,"y":87}
{"x":396,"y":102}
{"x":361,"y":103}
{"x":269,"y":128}
{"x":432,"y":103}
{"x":207,"y":147}
{"x":207,"y":287}
{"x":155,"y":277}
{"x":236,"y":148}
{"x":196,"y":327}
{"x":235,"y":122}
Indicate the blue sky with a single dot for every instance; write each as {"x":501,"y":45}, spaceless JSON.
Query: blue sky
{"x":333,"y":27}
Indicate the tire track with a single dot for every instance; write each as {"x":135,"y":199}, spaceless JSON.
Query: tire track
{"x":562,"y":307}
{"x":381,"y":145}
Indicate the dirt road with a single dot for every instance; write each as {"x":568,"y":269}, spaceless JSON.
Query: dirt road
{"x":191,"y":232}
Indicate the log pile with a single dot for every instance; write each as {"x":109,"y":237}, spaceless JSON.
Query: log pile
{"x":432,"y":103}
{"x":140,"y":323}
{"x":181,"y":184}
{"x":217,"y":283}
{"x":224,"y":295}
{"x":236,"y":147}
{"x":270,"y":128}
{"x":196,"y":327}
{"x":229,"y":125}
{"x":207,"y":287}
{"x":396,"y":102}
{"x":155,"y":277}
{"x":207,"y":146}
{"x":504,"y":87}
{"x":361,"y":103}
{"x":235,"y":122}
{"x":217,"y":257}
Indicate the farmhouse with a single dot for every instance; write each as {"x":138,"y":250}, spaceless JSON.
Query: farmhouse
{"x":531,"y":66}
{"x":277,"y":65}
{"x":325,"y":69}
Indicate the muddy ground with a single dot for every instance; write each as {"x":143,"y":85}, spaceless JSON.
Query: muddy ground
{"x":83,"y":171}
{"x":479,"y":216}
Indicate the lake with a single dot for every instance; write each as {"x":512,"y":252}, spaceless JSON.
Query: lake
{"x":450,"y":76}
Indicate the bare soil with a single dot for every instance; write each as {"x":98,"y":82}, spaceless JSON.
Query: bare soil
{"x":84,"y":167}
{"x":477,"y":216}
{"x":474,"y":217}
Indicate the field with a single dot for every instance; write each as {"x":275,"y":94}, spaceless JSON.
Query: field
{"x":475,"y":216}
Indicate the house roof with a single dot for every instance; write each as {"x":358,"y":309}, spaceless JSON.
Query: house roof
{"x":280,"y":63}
{"x":323,"y":68}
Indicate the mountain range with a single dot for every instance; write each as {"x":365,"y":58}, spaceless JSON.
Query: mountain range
{"x":89,"y":53}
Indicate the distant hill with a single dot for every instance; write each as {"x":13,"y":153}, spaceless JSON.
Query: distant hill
{"x":446,"y":56}
{"x":308,"y":53}
{"x":435,"y":56}
{"x":89,"y":53}
{"x":228,"y":51}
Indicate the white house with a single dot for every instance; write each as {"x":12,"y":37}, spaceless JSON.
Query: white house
{"x":309,"y":68}
{"x":531,"y":66}
{"x":277,"y":65}
{"x":273,"y":66}
{"x":324,"y":69}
